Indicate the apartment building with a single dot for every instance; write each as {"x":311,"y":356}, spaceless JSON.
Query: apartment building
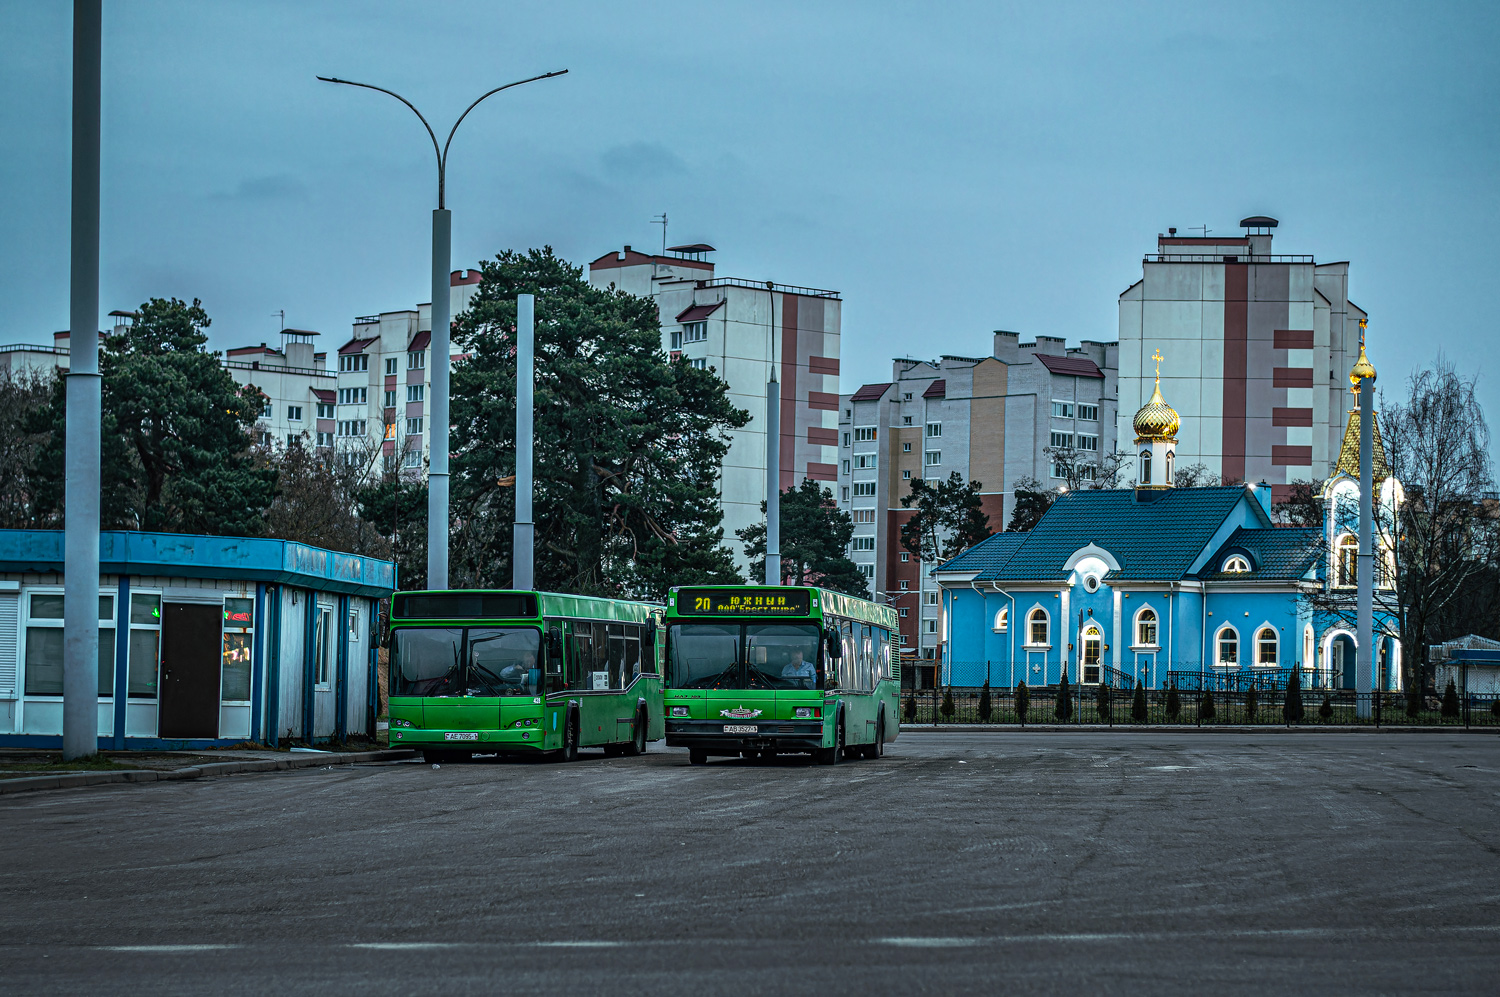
{"x":990,"y":419}
{"x":746,"y":330}
{"x":1255,"y":347}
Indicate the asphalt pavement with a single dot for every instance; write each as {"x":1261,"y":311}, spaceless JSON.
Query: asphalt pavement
{"x":972,"y":862}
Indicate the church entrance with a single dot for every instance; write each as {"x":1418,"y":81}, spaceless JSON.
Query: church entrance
{"x":1093,"y":643}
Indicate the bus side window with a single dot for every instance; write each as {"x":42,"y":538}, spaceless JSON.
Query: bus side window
{"x":632,"y":665}
{"x":581,"y":655}
{"x":849,"y":663}
{"x":883,"y":655}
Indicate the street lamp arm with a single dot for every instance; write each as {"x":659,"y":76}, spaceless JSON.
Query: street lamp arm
{"x":461,"y":117}
{"x":435,"y":152}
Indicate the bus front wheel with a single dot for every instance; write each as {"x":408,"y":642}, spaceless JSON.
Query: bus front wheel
{"x":835,"y":754}
{"x":637,"y":745}
{"x":570,"y":739}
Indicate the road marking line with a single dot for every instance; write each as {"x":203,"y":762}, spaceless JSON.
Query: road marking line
{"x":932,"y":943}
{"x":578,"y":945}
{"x":402,"y":946}
{"x":162,"y":948}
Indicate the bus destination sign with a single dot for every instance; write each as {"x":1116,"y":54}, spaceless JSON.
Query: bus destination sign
{"x":744,"y":602}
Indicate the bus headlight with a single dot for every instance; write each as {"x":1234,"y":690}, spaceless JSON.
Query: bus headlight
{"x":803,"y":713}
{"x":398,"y":722}
{"x":679,"y":711}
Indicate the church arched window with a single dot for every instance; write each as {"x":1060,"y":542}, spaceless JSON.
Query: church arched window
{"x":1145,"y":628}
{"x":1227,"y":646}
{"x":1166,"y":479}
{"x":1346,"y":555}
{"x":1037,"y":629}
{"x":1236,"y":564}
{"x":1002,"y":620}
{"x":1145,"y":467}
{"x":1266,"y":646}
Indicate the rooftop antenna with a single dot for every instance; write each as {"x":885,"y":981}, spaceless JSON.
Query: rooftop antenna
{"x":1202,"y":228}
{"x":662,"y":221}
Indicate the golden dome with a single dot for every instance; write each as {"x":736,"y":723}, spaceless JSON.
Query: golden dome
{"x":1156,"y":420}
{"x":1362,"y":367}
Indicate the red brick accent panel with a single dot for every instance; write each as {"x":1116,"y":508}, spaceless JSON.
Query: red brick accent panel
{"x":1291,"y":377}
{"x":822,"y":472}
{"x":1291,"y":456}
{"x":823,"y":400}
{"x":1293,"y":339}
{"x":1291,"y":417}
{"x":822,"y":365}
{"x":830,"y":437}
{"x":1280,"y":493}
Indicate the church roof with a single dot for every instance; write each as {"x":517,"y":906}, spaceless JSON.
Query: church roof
{"x":987,"y":554}
{"x":1157,"y":539}
{"x":1277,"y":554}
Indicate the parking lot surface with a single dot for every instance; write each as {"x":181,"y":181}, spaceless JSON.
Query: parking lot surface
{"x":1023,"y":862}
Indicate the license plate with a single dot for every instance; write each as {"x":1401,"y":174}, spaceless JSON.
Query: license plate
{"x":460,"y":736}
{"x":741,"y":729}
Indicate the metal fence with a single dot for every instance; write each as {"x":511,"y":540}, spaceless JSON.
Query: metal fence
{"x":1101,"y":704}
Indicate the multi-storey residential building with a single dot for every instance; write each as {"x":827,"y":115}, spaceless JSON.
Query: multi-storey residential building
{"x":994,"y":420}
{"x":1254,"y":346}
{"x":298,"y":389}
{"x":744,"y":330}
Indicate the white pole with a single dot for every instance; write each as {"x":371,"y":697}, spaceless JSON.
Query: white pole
{"x":437,"y":464}
{"x":773,"y":480}
{"x":1363,"y":653}
{"x":81,"y":488}
{"x":521,"y":547}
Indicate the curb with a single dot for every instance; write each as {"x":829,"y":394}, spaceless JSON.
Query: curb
{"x":67,"y":780}
{"x":1188,"y":729}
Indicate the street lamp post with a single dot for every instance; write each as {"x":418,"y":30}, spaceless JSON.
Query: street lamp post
{"x":442,"y":247}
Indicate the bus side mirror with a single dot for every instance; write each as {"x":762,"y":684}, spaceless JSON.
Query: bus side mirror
{"x":651,"y":630}
{"x":554,"y":651}
{"x":835,"y":645}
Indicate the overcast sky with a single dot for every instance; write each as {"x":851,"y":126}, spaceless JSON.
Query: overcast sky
{"x":951,"y":168}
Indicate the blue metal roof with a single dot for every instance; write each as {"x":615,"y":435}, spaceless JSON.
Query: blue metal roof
{"x":1281,"y":554}
{"x":988,"y":554}
{"x":179,"y":555}
{"x":1157,"y":536}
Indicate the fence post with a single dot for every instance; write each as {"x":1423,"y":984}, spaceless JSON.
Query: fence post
{"x":1464,"y":678}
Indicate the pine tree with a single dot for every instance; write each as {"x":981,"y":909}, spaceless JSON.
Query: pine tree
{"x":1023,"y":702}
{"x":1138,"y":703}
{"x":909,"y":711}
{"x":1495,"y":708}
{"x":1326,"y":709}
{"x":1064,"y":708}
{"x":1174,"y":702}
{"x":1206,"y":710}
{"x":1291,"y":709}
{"x":1252,"y":704}
{"x":947,"y":709}
{"x":947,"y":518}
{"x":1450,"y":701}
{"x":984,"y":703}
{"x":1102,"y":703}
{"x":815,"y":533}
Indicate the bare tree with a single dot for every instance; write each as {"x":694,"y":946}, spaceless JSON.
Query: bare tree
{"x":1087,"y":469}
{"x":316,"y":496}
{"x":1446,"y":534}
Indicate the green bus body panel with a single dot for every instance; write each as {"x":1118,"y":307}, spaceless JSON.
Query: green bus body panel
{"x":605,"y":717}
{"x":861,"y":709}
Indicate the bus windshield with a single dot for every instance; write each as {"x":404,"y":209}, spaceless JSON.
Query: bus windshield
{"x":472,"y":661}
{"x":745,"y":656}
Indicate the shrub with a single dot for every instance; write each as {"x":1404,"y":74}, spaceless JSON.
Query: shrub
{"x":909,"y":711}
{"x":1102,"y":703}
{"x":1064,"y":708}
{"x":1023,"y":702}
{"x":1252,"y":704}
{"x":1206,"y":710}
{"x":1138,"y":703}
{"x":1495,"y":708}
{"x":984,"y":703}
{"x":947,"y":708}
{"x":1326,"y":710}
{"x":1450,"y":700}
{"x":1291,"y":709}
{"x":1174,"y":702}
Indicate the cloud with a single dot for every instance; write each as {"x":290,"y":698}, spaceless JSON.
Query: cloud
{"x":641,"y":160}
{"x":277,"y":187}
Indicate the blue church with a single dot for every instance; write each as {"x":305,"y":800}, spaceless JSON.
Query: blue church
{"x":1157,"y":584}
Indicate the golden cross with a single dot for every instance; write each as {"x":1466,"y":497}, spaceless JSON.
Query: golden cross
{"x":1158,"y":358}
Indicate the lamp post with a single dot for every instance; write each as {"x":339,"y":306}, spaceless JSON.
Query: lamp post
{"x":442,"y":247}
{"x":1363,"y":379}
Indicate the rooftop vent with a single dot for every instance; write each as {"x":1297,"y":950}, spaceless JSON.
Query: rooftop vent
{"x":693,"y":251}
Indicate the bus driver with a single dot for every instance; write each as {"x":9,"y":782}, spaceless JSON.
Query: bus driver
{"x":800,"y":672}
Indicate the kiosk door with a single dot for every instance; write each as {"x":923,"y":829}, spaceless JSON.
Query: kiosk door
{"x":190,"y":634}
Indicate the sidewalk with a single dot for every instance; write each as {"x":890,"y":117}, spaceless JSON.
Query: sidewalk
{"x":1194,"y":729}
{"x":242,"y":761}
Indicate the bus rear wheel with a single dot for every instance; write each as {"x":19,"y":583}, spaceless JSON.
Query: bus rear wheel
{"x":697,"y":756}
{"x":637,"y":745}
{"x":873,"y":751}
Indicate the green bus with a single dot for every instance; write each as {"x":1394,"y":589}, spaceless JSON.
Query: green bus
{"x":758,"y":671}
{"x":528,"y":673}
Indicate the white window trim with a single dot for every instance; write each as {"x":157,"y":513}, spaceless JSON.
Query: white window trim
{"x":1001,"y":623}
{"x":1239,"y":644}
{"x":1030,"y":613}
{"x":1275,"y":632}
{"x":333,"y":654}
{"x":1235,"y":559}
{"x":25,"y":621}
{"x":1135,"y":629}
